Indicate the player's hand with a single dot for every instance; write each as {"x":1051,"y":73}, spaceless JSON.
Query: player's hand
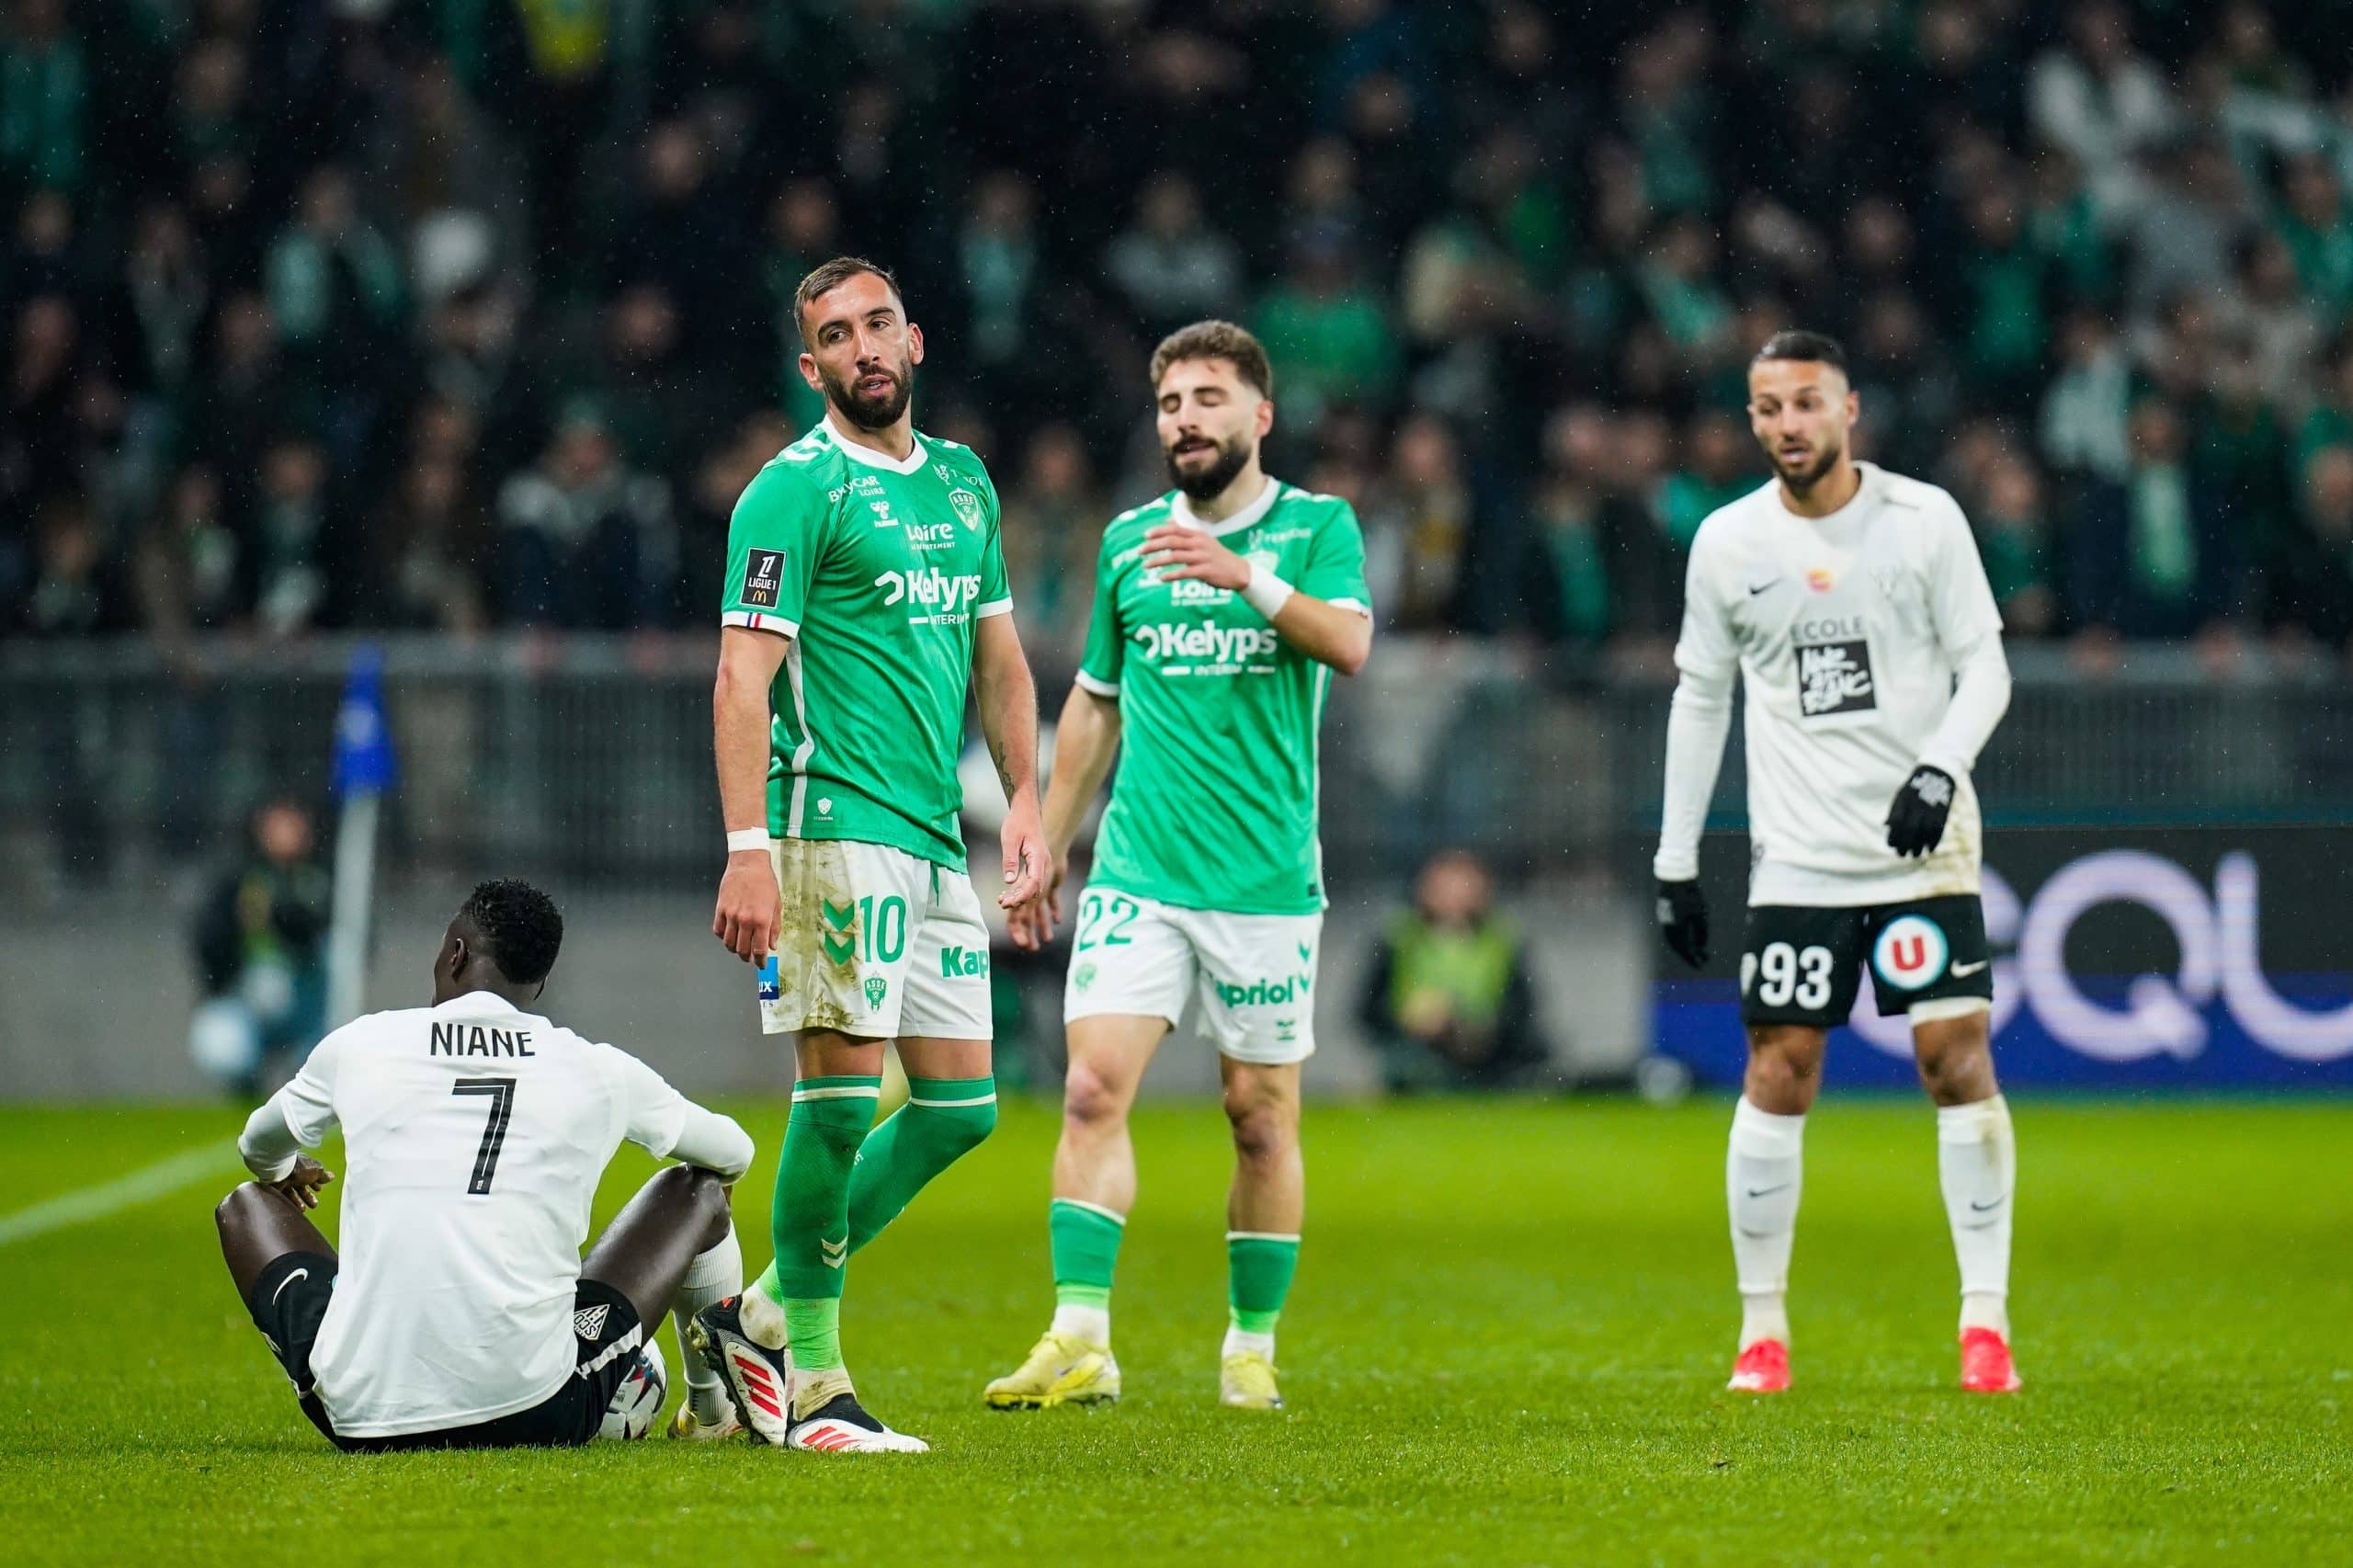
{"x":1027,"y":862}
{"x":749,"y":907}
{"x":1917,"y":821}
{"x":303,"y":1183}
{"x":1682,"y":921}
{"x":1174,"y":550}
{"x":1032,"y":927}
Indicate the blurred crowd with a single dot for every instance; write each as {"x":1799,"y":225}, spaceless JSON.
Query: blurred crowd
{"x":466,"y":314}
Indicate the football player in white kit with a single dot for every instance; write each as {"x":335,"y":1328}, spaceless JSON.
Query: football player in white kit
{"x":1852,"y":605}
{"x":459,"y":1312}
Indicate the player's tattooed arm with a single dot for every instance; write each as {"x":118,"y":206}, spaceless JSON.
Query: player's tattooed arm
{"x":1085,"y":740}
{"x":1008,"y":704}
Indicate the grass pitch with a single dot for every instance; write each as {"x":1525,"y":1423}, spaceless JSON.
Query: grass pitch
{"x":1507,"y":1344}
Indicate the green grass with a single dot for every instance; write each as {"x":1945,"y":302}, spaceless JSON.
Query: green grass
{"x":1507,"y":1344}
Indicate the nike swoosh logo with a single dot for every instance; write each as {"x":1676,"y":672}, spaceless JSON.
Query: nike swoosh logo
{"x":1756,"y":588}
{"x":1769,"y":1191}
{"x":1985,"y":1207}
{"x":1964,"y":971}
{"x":297,"y":1274}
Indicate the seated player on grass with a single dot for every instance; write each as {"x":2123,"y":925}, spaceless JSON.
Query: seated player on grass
{"x":460,"y":1312}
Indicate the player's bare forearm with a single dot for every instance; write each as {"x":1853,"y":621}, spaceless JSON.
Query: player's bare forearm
{"x":740,"y":722}
{"x":748,"y":912}
{"x":1009,"y":703}
{"x":1085,"y":738}
{"x":1331,"y":634}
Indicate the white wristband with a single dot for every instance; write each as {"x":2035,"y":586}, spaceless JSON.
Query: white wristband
{"x":747,"y":838}
{"x":1265,"y":592}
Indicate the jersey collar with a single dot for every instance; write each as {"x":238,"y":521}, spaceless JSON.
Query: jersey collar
{"x":475,"y":1003}
{"x":857,"y":451}
{"x":1242,"y":519}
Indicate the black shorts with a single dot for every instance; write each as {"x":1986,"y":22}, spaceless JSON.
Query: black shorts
{"x":1803,"y":965}
{"x":289,"y":1300}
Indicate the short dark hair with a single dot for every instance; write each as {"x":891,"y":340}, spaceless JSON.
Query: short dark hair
{"x":1216,"y":340}
{"x":1817,"y":347}
{"x":824,"y":279}
{"x":520,"y":927}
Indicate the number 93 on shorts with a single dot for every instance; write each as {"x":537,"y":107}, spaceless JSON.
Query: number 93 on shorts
{"x":1802,"y":965}
{"x":1255,"y":974}
{"x":874,"y":942}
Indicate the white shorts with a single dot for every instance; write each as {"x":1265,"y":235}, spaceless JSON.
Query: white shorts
{"x":874,"y":942}
{"x":1255,"y":974}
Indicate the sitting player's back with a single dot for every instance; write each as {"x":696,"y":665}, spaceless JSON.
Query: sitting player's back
{"x":474,"y":1134}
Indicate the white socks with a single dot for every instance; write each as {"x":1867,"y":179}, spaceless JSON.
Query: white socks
{"x":1977,"y":1164}
{"x":713,"y":1275}
{"x":1237,"y":1343}
{"x":1762,"y":1179}
{"x":1092,"y":1324}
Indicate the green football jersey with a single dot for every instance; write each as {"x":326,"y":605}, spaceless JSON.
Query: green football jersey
{"x":1213,"y":806}
{"x":879,"y":572}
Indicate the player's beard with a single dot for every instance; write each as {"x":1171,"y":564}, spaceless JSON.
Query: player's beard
{"x":1203,"y":484}
{"x":873,"y":412}
{"x":1802,"y":480}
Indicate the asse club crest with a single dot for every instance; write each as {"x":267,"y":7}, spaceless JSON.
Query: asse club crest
{"x":875,"y":987}
{"x":968,"y":507}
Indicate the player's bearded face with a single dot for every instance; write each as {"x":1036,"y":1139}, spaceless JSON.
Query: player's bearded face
{"x":874,"y":393}
{"x":1799,"y":415}
{"x":1803,"y":459}
{"x":1201,"y":466}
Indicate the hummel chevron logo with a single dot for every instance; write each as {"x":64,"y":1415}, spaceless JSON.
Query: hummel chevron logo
{"x":834,"y":1254}
{"x":837,"y":919}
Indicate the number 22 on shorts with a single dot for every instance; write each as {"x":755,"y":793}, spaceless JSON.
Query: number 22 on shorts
{"x":1103,"y":920}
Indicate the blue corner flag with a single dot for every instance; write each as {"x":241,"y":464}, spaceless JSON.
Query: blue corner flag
{"x":363,"y":741}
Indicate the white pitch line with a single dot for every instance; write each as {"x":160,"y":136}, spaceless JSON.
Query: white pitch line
{"x":124,"y":1192}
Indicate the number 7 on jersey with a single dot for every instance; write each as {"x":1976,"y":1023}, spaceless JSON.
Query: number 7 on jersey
{"x":494,"y":1134}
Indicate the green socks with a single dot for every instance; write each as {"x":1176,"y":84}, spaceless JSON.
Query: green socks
{"x":1086,"y":1247}
{"x":840,"y":1179}
{"x":1259,"y":1266}
{"x":943,"y":1119}
{"x":810,"y":1221}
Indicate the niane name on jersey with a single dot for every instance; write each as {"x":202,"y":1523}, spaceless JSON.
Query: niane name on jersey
{"x":473,"y":1040}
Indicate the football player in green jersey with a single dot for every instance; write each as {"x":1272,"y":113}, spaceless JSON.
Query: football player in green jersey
{"x":865,"y":599}
{"x":1220,"y":611}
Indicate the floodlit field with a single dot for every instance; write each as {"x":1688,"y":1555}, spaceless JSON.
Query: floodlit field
{"x":1507,"y":1345}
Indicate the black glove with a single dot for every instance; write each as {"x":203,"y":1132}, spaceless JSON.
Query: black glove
{"x":1682,"y":921}
{"x":1917,"y":821}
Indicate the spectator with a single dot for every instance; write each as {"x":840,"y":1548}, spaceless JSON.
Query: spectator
{"x":584,"y":542}
{"x":1447,"y":1000}
{"x":2316,"y":224}
{"x":44,"y":100}
{"x":75,"y":590}
{"x":1417,"y":534}
{"x":2153,"y":556}
{"x":1170,"y":266}
{"x":260,"y":942}
{"x":1718,"y":469}
{"x":298,"y":541}
{"x":1054,"y":521}
{"x":428,"y":545}
{"x":2013,"y":535}
{"x":2100,"y":101}
{"x":1330,"y":334}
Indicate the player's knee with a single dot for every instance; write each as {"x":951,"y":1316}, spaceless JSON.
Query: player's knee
{"x":235,"y":1212}
{"x":1090,"y":1099}
{"x":1784,"y":1066}
{"x":1954,"y":1071}
{"x":1263,"y":1129}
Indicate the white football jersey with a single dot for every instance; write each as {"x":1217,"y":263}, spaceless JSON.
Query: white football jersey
{"x":1847,"y":633}
{"x":474,"y":1136}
